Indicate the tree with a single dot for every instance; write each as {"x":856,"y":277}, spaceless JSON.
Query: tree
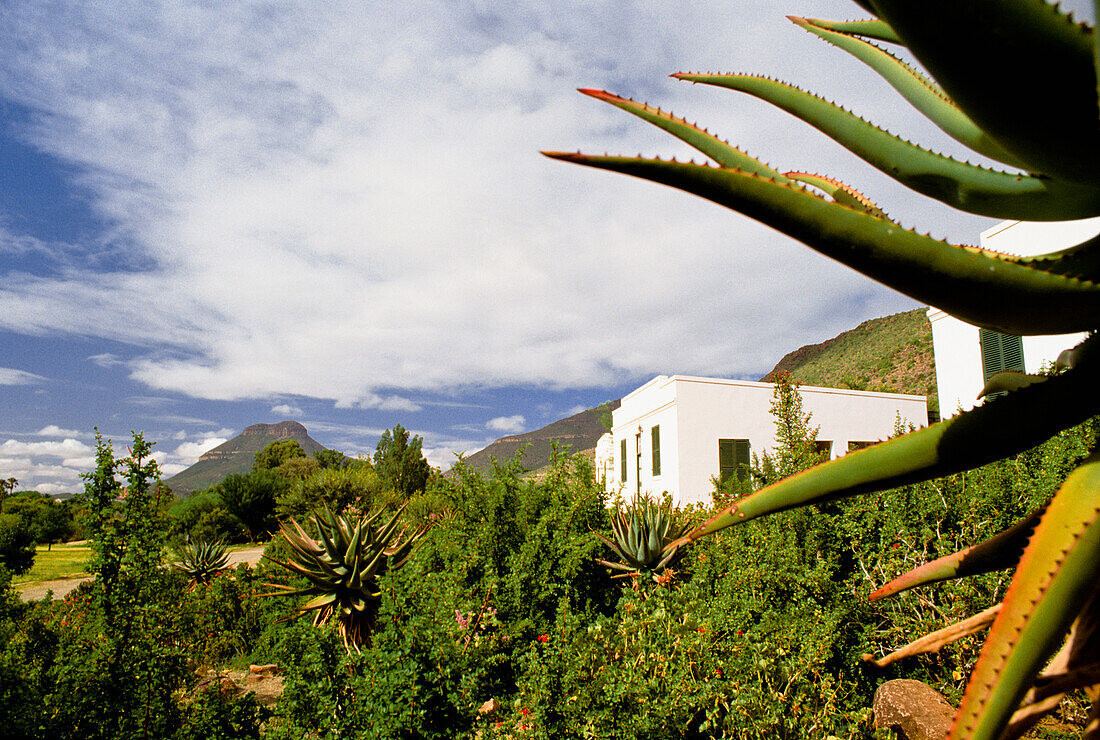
{"x":7,"y":487}
{"x":251,"y":498}
{"x":331,"y":459}
{"x":16,"y":544}
{"x":277,"y":453}
{"x":400,"y":462}
{"x":796,"y":440}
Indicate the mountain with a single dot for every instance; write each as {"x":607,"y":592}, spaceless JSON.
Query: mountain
{"x":892,"y":354}
{"x":580,"y":431}
{"x":238,"y":454}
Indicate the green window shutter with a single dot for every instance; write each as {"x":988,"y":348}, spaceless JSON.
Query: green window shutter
{"x":1000,"y":352}
{"x":622,"y":460}
{"x":655,"y":438}
{"x":733,"y":459}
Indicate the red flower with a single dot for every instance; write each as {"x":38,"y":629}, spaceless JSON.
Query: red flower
{"x":524,"y":711}
{"x":740,"y":633}
{"x":544,"y":638}
{"x":701,"y":630}
{"x":718,"y":672}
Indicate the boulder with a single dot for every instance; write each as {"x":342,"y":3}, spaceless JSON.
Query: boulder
{"x":914,"y":709}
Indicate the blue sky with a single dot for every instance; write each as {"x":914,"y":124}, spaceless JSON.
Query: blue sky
{"x":215,"y":216}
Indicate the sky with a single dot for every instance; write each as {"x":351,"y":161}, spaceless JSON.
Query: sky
{"x":215,"y":215}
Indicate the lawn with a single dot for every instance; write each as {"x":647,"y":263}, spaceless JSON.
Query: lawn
{"x":60,"y":561}
{"x":68,"y":561}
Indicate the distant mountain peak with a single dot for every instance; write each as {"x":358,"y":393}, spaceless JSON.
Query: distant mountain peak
{"x":279,"y":429}
{"x":238,"y":454}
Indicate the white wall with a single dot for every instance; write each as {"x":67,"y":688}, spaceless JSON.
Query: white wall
{"x":694,"y":413}
{"x":959,"y":376}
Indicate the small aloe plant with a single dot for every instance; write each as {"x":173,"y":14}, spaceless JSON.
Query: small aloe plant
{"x":201,"y":561}
{"x":1015,"y":81}
{"x":643,"y":533}
{"x":342,"y":568}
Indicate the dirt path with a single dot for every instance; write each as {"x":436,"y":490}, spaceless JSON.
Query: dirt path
{"x":37,"y":589}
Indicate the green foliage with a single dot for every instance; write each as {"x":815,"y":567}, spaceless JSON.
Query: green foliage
{"x":356,"y":485}
{"x":277,"y":453}
{"x":641,"y":533}
{"x":201,"y":560}
{"x":204,"y":516}
{"x":400,"y":462}
{"x":117,"y":669}
{"x":50,"y":521}
{"x":327,"y":459}
{"x":16,"y":544}
{"x":795,"y":438}
{"x":251,"y":499}
{"x":342,"y":568}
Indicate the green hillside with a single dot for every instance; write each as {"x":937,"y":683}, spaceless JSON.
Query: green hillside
{"x":238,"y":454}
{"x":892,"y":353}
{"x":579,"y":431}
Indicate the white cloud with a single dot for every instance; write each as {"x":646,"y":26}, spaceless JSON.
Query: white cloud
{"x":370,"y":400}
{"x":285,"y":409}
{"x":106,"y":359}
{"x":67,"y":448}
{"x":188,"y":453}
{"x":52,"y":430}
{"x":355,"y":202}
{"x":507,"y":424}
{"x":10,"y":376}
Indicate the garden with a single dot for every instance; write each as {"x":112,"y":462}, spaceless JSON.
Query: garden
{"x":498,"y":614}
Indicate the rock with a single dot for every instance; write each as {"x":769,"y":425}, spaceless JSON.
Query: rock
{"x":489,"y":707}
{"x":265,"y":670}
{"x":267,"y":689}
{"x":914,"y":709}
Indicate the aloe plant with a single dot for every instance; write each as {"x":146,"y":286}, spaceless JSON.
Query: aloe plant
{"x":201,"y":561}
{"x":643,"y":532}
{"x":342,"y":568}
{"x":1016,"y":81}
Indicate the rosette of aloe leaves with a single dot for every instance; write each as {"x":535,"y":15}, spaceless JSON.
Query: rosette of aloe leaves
{"x":1044,"y":639}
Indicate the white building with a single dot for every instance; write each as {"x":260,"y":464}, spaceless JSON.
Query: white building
{"x":965,"y":355}
{"x":676,"y":433}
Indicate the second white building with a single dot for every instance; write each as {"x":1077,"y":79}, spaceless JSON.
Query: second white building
{"x":676,"y":433}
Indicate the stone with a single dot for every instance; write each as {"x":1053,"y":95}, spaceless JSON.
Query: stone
{"x":265,"y":670}
{"x":489,"y":707}
{"x":914,"y":709}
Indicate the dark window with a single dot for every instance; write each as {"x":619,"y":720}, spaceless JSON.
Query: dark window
{"x":823,"y":448}
{"x":655,"y":438}
{"x":733,"y":459}
{"x":622,"y":459}
{"x":858,"y":445}
{"x":1000,"y":352}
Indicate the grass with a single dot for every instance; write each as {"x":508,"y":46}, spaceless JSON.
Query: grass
{"x":68,"y":560}
{"x":57,"y":563}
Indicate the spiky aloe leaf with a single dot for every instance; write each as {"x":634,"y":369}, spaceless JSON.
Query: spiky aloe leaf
{"x":840,"y":192}
{"x":981,"y":287}
{"x":872,"y":29}
{"x":988,"y":54}
{"x":1000,"y":552}
{"x":1057,"y":576}
{"x":1007,"y":381}
{"x":1001,"y":427}
{"x":720,"y":151}
{"x":961,"y":185}
{"x":922,"y":93}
